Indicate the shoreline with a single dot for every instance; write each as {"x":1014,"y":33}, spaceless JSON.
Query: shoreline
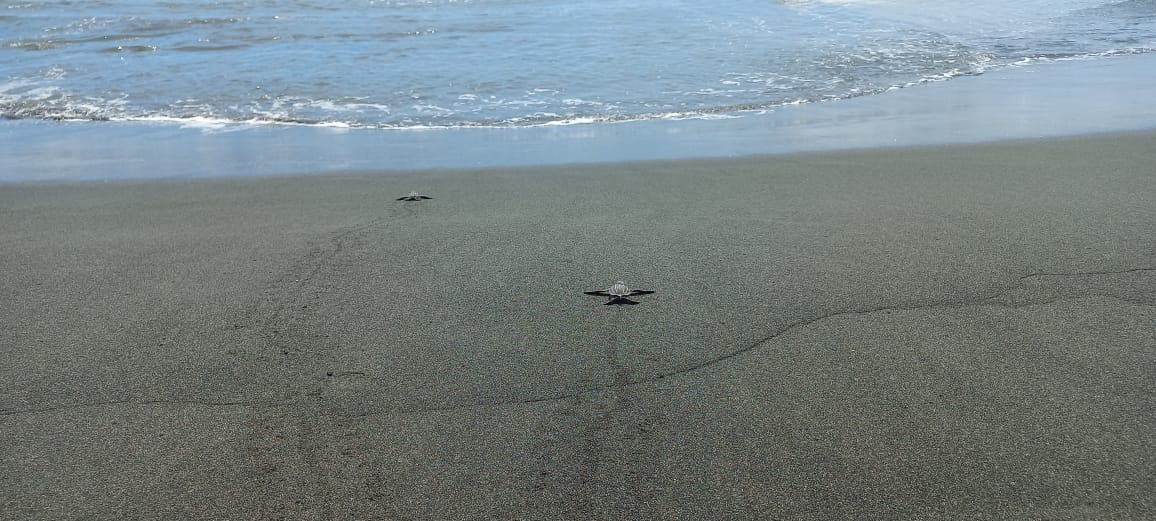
{"x":1107,"y":95}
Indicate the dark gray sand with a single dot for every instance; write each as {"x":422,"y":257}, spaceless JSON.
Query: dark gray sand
{"x":933,"y":333}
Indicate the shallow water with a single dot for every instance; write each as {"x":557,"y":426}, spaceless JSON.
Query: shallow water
{"x":1049,"y":100}
{"x":516,"y":63}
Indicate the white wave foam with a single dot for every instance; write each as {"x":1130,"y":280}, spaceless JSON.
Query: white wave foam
{"x":424,"y":108}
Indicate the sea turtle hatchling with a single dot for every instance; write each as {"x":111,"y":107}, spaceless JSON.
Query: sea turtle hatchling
{"x":414,"y":196}
{"x":619,"y":293}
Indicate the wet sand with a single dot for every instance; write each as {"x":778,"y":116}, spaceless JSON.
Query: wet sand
{"x":1046,"y":100}
{"x":923,"y":333}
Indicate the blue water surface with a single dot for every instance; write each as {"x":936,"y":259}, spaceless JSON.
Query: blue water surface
{"x":412,"y":64}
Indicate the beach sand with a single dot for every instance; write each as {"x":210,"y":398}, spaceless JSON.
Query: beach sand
{"x":942,"y":332}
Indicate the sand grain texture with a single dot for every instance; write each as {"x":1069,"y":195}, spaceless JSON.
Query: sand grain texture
{"x":931,"y":333}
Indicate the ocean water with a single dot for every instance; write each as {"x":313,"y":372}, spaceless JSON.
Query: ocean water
{"x":406,"y":64}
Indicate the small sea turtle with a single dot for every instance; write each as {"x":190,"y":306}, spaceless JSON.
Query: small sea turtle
{"x":414,"y":196}
{"x":619,"y":293}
